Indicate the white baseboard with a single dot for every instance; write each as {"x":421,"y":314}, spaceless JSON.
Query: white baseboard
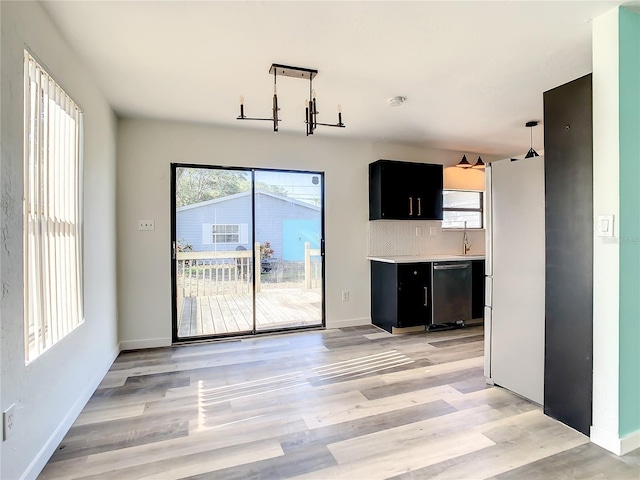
{"x":351,"y":322}
{"x":611,"y":442}
{"x":43,"y":456}
{"x":630,"y":443}
{"x":148,"y":343}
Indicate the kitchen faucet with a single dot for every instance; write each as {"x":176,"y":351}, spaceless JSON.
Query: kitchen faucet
{"x":466,"y":246}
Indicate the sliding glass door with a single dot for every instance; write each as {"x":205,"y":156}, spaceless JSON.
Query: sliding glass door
{"x":247,"y":251}
{"x":288,"y":213}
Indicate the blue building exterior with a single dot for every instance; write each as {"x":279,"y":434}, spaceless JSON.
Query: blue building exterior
{"x":224,"y":224}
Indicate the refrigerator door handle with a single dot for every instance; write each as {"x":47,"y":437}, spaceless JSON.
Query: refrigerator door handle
{"x":488,"y":291}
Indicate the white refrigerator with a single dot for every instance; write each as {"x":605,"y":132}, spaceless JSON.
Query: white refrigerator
{"x":515,"y":276}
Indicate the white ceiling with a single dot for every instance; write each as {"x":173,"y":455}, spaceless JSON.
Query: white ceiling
{"x":473,"y":72}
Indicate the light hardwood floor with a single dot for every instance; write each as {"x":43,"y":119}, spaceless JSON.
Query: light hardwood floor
{"x":354,"y":403}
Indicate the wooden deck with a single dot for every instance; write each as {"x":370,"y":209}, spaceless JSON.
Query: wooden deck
{"x":232,"y":312}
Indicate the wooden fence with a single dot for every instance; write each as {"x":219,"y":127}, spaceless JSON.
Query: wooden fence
{"x":202,"y":274}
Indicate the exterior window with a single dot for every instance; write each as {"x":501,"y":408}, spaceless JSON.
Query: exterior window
{"x":52,"y":212}
{"x":460,"y":206}
{"x":225,"y":233}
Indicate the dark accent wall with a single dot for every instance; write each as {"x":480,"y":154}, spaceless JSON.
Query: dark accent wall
{"x":568,"y":148}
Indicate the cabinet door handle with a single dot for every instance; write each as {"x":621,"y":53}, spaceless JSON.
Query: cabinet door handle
{"x":426,"y":296}
{"x":410,"y":206}
{"x":419,"y":207}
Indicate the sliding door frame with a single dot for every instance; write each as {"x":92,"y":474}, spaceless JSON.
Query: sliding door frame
{"x":172,"y":255}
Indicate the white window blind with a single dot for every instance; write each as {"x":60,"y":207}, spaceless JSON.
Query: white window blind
{"x":52,"y":211}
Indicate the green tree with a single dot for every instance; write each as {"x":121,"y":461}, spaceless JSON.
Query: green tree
{"x":194,"y":185}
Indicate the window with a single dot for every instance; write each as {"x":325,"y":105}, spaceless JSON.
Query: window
{"x":460,"y":206}
{"x":52,"y":212}
{"x":225,"y":233}
{"x":216,"y":233}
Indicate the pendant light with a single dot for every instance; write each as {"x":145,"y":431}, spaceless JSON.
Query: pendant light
{"x":479,"y":163}
{"x":464,"y":163}
{"x":531,"y":152}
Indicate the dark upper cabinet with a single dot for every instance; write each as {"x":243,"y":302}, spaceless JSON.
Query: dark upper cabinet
{"x":405,"y":191}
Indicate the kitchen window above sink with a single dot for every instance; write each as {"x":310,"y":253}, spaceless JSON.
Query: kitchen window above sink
{"x":460,"y":206}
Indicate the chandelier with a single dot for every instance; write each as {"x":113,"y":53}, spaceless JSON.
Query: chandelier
{"x":311,"y":105}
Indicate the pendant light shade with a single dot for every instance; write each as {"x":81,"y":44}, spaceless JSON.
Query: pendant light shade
{"x":479,"y":163}
{"x":464,"y":163}
{"x":531,"y":152}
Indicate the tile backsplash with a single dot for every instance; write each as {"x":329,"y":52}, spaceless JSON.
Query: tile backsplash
{"x":398,"y":237}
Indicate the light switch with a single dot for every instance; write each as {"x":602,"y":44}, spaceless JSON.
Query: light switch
{"x":604,"y":226}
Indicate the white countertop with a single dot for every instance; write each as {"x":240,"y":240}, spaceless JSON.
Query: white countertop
{"x":428,"y":258}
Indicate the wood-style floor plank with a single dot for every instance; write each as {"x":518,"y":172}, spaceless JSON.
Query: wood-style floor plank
{"x":213,"y":312}
{"x":352,"y":403}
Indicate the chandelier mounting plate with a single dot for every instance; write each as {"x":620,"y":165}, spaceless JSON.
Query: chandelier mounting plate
{"x":296,"y":72}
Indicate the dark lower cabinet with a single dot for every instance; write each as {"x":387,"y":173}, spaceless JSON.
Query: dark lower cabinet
{"x":477,"y":286}
{"x":400,"y":294}
{"x":568,"y":363}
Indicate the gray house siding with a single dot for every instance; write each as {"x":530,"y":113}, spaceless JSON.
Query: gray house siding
{"x":271,"y":211}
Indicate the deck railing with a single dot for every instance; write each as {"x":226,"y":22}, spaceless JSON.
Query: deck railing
{"x":312,"y":266}
{"x":202,"y":274}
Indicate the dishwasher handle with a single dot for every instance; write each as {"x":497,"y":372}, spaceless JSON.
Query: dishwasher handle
{"x":452,"y":267}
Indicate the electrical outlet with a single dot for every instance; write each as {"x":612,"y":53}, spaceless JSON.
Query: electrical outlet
{"x":418,"y":231}
{"x":433,"y":231}
{"x":345,"y":295}
{"x":146,"y":225}
{"x":8,"y":422}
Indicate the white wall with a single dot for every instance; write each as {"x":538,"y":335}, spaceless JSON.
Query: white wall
{"x":606,"y":250}
{"x":49,"y":392}
{"x":456,"y":178}
{"x":146,"y":149}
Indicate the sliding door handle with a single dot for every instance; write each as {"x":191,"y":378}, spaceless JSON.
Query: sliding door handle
{"x":410,"y":206}
{"x":426,"y":296}
{"x":419,"y":207}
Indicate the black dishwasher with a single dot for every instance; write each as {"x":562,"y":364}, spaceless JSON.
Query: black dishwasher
{"x":451,"y":294}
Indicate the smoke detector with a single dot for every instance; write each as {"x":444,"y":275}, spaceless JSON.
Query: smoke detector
{"x":397,"y":101}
